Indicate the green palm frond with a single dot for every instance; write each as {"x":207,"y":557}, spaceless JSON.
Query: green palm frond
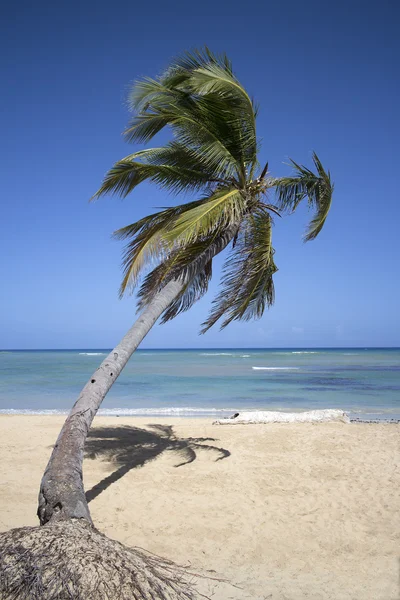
{"x":185,"y":263}
{"x":202,"y":72}
{"x":180,"y":155}
{"x":148,"y":243}
{"x":172,"y":167}
{"x":223,"y":208}
{"x":146,"y":246}
{"x":144,"y":91}
{"x":126,"y":175}
{"x":247,"y":284}
{"x":193,"y":291}
{"x":206,"y":75}
{"x":228,"y":120}
{"x":214,"y":81}
{"x":317,"y":187}
{"x":174,"y":77}
{"x":192,"y":60}
{"x":213,"y":152}
{"x":161,"y":235}
{"x":192,"y":126}
{"x":205,"y":106}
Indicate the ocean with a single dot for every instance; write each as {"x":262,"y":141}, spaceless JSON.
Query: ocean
{"x":365,"y":382}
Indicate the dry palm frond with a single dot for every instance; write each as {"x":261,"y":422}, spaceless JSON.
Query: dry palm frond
{"x":72,"y":560}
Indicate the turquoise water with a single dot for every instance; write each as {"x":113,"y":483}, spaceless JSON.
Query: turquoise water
{"x":364,"y":382}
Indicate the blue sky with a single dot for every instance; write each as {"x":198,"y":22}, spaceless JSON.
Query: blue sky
{"x":326,"y":78}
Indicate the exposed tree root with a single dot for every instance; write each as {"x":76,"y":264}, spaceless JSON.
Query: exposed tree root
{"x":71,"y":560}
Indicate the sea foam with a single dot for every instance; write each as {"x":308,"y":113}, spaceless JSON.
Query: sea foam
{"x":216,"y":354}
{"x":126,"y":412}
{"x":275,"y":368}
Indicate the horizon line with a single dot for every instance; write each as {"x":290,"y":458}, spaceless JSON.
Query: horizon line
{"x":204,"y":348}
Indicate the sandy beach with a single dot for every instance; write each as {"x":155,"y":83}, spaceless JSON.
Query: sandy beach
{"x":284,"y":512}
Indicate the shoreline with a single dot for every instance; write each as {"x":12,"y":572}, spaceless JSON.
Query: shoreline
{"x":176,"y":414}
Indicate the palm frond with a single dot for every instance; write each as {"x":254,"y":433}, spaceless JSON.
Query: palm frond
{"x":212,"y":121}
{"x":174,"y":77}
{"x":173,"y":166}
{"x":128,"y":173}
{"x":144,"y":249}
{"x":164,"y":237}
{"x":192,"y":127}
{"x":200,"y":72}
{"x":184,"y":263}
{"x":192,"y":60}
{"x":317,"y":187}
{"x":193,"y":291}
{"x":205,"y":105}
{"x":247,"y":284}
{"x":223,"y":208}
{"x":145,"y":90}
{"x":212,"y":80}
{"x":144,"y":126}
{"x":228,"y":120}
{"x":148,"y":243}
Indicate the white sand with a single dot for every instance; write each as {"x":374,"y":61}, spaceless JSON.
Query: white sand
{"x":296,"y":512}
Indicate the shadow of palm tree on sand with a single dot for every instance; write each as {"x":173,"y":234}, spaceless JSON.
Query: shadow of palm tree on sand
{"x":132,"y":447}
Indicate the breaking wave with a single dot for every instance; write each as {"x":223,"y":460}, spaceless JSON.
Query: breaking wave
{"x":275,"y":368}
{"x":366,"y":414}
{"x":126,"y":412}
{"x":216,"y":354}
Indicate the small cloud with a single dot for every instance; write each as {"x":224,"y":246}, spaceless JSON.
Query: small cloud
{"x":339,"y":331}
{"x":298,"y":329}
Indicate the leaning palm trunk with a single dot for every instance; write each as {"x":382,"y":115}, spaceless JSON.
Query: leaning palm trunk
{"x":62,"y":495}
{"x":68,"y":557}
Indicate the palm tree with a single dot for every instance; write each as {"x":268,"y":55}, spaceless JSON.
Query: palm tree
{"x":213,"y":153}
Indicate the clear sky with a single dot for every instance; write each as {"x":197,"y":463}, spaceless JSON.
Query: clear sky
{"x":326,"y":77}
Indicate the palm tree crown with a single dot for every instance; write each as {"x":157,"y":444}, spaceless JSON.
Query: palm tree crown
{"x":213,"y":153}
